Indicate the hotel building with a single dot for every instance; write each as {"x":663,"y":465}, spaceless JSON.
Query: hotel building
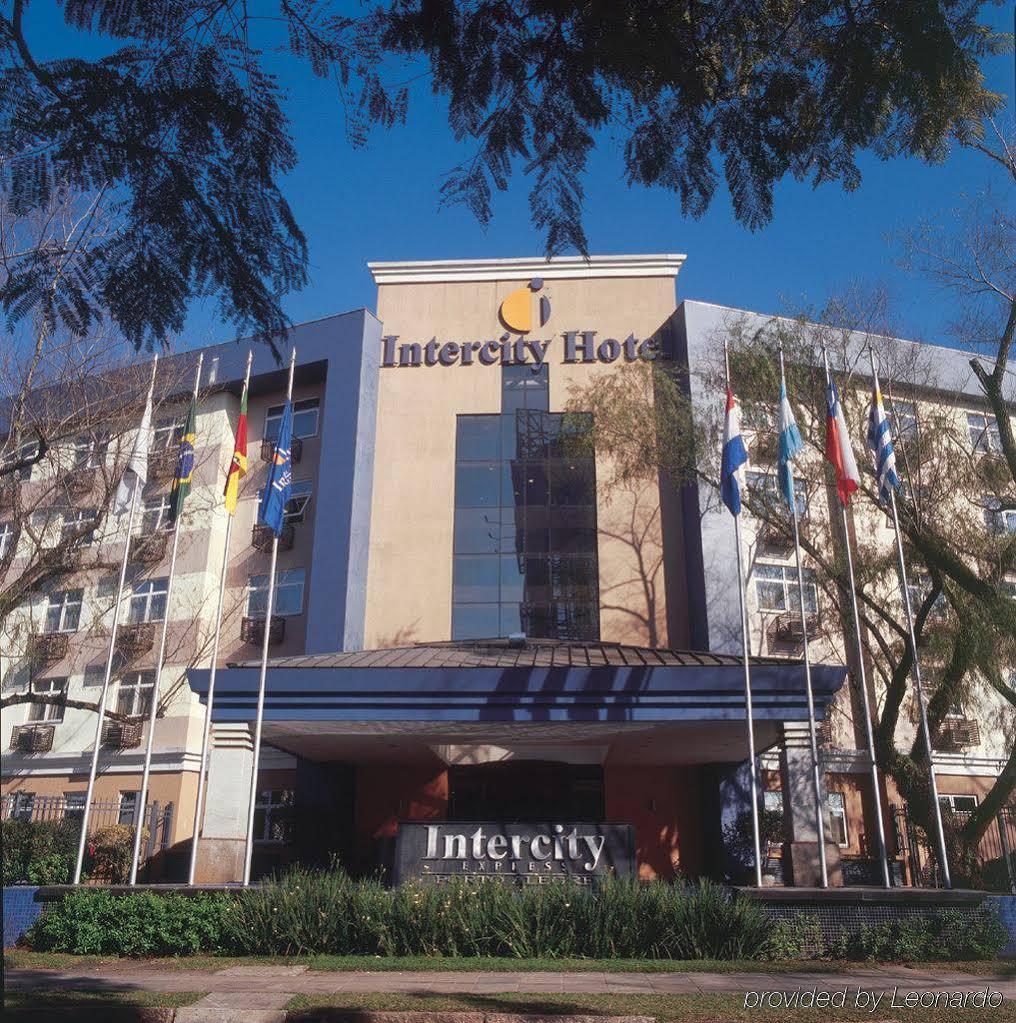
{"x":475,"y":625}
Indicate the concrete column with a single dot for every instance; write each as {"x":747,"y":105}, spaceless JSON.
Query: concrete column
{"x":224,"y":822}
{"x":800,"y":849}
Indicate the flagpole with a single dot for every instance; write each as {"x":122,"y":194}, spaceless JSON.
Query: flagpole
{"x":206,"y":734}
{"x":862,"y":678}
{"x":749,"y":715}
{"x":139,"y":806}
{"x":101,"y":715}
{"x":812,"y":735}
{"x":916,"y":670}
{"x":269,"y":607}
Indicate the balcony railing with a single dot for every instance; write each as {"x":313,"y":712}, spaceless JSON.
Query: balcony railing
{"x":136,"y":639}
{"x":252,"y":630}
{"x":162,"y":464}
{"x":80,"y":482}
{"x":121,"y":734}
{"x":787,"y":627}
{"x":32,"y":738}
{"x":149,"y":549}
{"x":46,"y":647}
{"x":268,"y":450}
{"x":261,"y":538}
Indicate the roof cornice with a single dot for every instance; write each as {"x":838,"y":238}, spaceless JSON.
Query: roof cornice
{"x":445,"y":271}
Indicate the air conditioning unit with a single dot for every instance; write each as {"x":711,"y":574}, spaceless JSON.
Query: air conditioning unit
{"x":252,"y":630}
{"x":149,"y":549}
{"x":787,"y":627}
{"x":80,"y":482}
{"x":33,"y":738}
{"x":46,"y":647}
{"x":262,"y":536}
{"x":162,"y":464}
{"x":958,"y":733}
{"x":134,"y":640}
{"x":268,"y":450}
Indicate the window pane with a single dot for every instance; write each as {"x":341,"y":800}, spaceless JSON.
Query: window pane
{"x":477,"y":531}
{"x":572,"y":482}
{"x":535,"y":481}
{"x":478,"y":438}
{"x":525,"y":387}
{"x":475,"y":579}
{"x":477,"y":485}
{"x":475,"y":621}
{"x":513,"y":578}
{"x":511,"y":619}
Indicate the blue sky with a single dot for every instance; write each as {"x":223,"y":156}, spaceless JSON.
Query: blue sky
{"x":381,"y":202}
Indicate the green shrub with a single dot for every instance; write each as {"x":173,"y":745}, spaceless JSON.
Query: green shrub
{"x":143,"y":924}
{"x":57,"y":868}
{"x":110,"y":851}
{"x":28,"y":843}
{"x":795,"y":937}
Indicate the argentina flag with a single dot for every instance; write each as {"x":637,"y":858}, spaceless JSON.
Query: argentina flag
{"x":790,"y":445}
{"x":881,"y":443}
{"x":276,"y":494}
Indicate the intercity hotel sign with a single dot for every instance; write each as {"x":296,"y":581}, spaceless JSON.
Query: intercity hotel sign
{"x":513,"y":347}
{"x":527,"y":853}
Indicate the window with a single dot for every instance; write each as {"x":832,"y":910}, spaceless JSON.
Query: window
{"x":88,"y":452}
{"x":273,"y":815}
{"x":156,"y":514}
{"x":23,"y":806}
{"x":24,"y":452}
{"x":288,"y":593}
{"x":298,"y":503}
{"x":166,"y":434}
{"x":305,"y":419}
{"x":904,"y":418}
{"x":47,"y":711}
{"x":127,"y":808}
{"x":919,"y":586}
{"x":776,"y":588}
{"x":956,"y":709}
{"x":996,"y":518}
{"x":134,"y":693}
{"x":772,"y":800}
{"x":1008,"y":588}
{"x":6,"y":538}
{"x":763,"y":488}
{"x":838,"y":819}
{"x":525,"y":538}
{"x":148,"y":601}
{"x":73,"y":527}
{"x":958,"y":804}
{"x":63,"y":611}
{"x":983,"y":429}
{"x":74,"y":806}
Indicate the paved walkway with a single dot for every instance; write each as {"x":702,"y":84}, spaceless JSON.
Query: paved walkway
{"x":261,"y":992}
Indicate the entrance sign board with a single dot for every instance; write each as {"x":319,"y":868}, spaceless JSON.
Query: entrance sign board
{"x":528,"y":853}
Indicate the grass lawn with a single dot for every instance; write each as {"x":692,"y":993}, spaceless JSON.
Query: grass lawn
{"x":108,"y":1006}
{"x":705,"y":1008}
{"x":20,"y":959}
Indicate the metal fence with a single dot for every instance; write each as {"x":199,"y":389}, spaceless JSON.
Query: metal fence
{"x":995,"y":857}
{"x":158,"y":818}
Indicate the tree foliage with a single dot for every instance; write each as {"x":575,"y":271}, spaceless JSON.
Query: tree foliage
{"x":181,"y":132}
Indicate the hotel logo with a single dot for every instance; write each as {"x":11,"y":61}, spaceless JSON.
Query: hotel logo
{"x":516,"y":311}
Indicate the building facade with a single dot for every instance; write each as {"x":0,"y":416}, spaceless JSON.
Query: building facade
{"x":481,"y":620}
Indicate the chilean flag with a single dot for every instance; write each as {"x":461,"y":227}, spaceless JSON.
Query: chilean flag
{"x":734,"y":456}
{"x":837,"y":449}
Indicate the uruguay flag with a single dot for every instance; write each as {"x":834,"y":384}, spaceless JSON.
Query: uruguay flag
{"x":881,"y":443}
{"x":734,"y":456}
{"x":838,"y":449}
{"x":790,"y":445}
{"x":275,"y":496}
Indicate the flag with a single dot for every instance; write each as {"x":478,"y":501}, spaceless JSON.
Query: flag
{"x":838,"y":449}
{"x":734,"y":456}
{"x":136,"y":473}
{"x":881,"y":443}
{"x":184,"y":463}
{"x":238,"y":466}
{"x":275,"y":496}
{"x":790,"y":445}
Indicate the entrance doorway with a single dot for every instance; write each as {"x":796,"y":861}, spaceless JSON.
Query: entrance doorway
{"x":526,"y":790}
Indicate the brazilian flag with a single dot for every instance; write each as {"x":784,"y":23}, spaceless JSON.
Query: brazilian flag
{"x":185,"y":463}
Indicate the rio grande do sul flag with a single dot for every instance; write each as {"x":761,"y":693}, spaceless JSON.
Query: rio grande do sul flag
{"x":238,"y":465}
{"x":838,"y":449}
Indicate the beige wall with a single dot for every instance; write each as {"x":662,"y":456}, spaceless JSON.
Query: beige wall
{"x":409,"y":587}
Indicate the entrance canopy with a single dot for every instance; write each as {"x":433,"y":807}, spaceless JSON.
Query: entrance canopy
{"x":450,"y":697}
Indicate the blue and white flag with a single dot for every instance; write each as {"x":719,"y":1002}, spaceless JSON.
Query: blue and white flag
{"x":880,"y":441}
{"x":790,"y":445}
{"x":276,"y":494}
{"x":734,"y":456}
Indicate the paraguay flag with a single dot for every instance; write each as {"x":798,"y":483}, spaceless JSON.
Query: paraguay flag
{"x":275,"y":496}
{"x":790,"y":445}
{"x":881,"y":443}
{"x":837,"y":446}
{"x":734,"y":456}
